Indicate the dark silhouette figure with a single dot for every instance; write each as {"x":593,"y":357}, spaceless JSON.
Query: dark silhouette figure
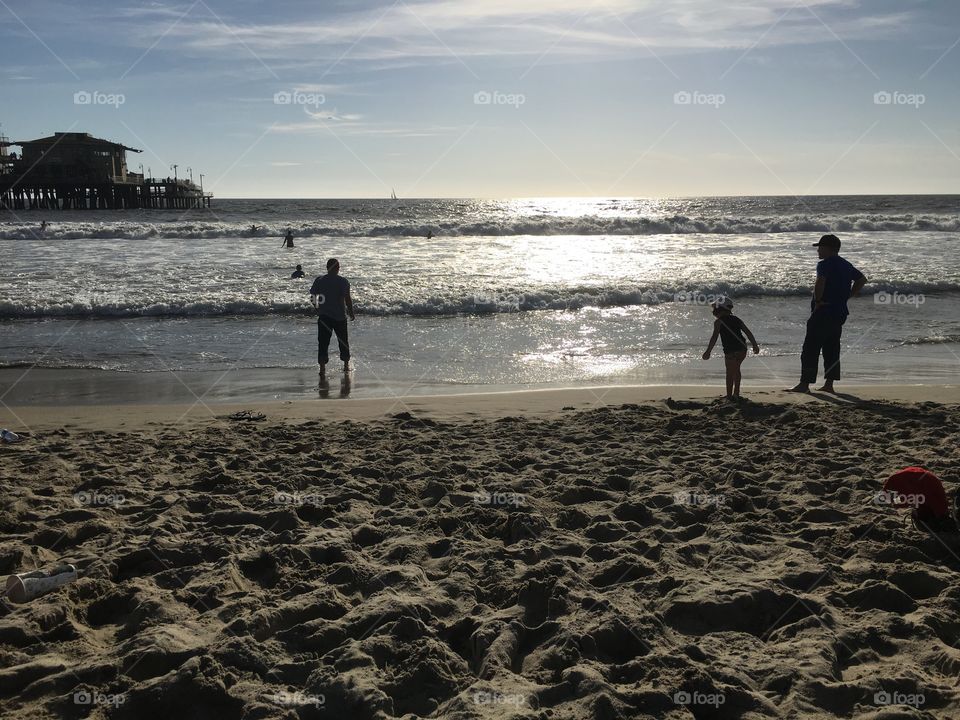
{"x":330,"y":295}
{"x":837,"y":282}
{"x":730,"y":329}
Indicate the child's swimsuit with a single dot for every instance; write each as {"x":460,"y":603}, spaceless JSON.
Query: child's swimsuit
{"x":731,"y":334}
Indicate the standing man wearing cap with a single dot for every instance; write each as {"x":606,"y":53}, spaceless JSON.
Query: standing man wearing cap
{"x":837,"y":282}
{"x":330,"y":295}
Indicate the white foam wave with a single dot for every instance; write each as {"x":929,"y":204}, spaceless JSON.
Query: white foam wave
{"x":585,"y":226}
{"x":502,"y":300}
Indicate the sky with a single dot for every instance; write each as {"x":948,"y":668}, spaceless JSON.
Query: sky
{"x":500,"y":98}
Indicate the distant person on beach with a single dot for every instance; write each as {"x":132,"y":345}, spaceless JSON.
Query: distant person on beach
{"x":429,"y":234}
{"x":288,"y":239}
{"x":330,"y":295}
{"x":298,"y":273}
{"x":837,"y":282}
{"x":43,"y":225}
{"x":730,"y":330}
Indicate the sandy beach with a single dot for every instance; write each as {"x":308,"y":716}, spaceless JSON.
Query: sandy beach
{"x":438,"y":360}
{"x":591,"y":553}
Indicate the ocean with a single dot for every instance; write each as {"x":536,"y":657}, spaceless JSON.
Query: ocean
{"x":506,"y":294}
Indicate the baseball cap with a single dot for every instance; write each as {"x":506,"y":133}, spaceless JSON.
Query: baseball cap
{"x":830,"y":241}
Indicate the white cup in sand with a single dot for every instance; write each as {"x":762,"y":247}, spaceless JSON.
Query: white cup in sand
{"x":24,"y":587}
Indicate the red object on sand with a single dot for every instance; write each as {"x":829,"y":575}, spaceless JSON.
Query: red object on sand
{"x":921,"y":489}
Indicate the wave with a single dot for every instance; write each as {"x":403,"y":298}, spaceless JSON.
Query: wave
{"x":493,"y":227}
{"x":946,"y":339}
{"x":492,"y":301}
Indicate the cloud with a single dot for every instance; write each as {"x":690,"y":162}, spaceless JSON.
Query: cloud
{"x":332,"y":115}
{"x":470,"y":29}
{"x":319,"y":125}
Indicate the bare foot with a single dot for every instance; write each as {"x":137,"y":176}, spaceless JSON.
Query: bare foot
{"x":800,"y":388}
{"x":827,"y":387}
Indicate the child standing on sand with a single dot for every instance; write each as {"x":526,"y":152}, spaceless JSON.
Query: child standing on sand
{"x":730,"y":329}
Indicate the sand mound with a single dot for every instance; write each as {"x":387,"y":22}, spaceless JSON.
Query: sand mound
{"x":658,"y":561}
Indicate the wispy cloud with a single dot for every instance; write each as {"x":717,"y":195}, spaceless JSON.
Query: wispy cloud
{"x":504,"y":28}
{"x":317,"y":126}
{"x":327,"y":115}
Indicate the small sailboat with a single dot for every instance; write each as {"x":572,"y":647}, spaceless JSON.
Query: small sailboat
{"x":393,"y":194}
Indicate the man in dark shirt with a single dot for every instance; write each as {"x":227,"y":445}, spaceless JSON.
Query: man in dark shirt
{"x":298,"y":273}
{"x":330,"y":295}
{"x":837,"y":282}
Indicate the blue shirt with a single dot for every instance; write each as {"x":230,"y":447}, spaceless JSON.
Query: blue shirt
{"x":838,"y":275}
{"x":331,"y":291}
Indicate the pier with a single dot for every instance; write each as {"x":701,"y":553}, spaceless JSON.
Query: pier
{"x":75,"y":171}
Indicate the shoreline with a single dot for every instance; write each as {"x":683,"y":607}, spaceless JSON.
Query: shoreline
{"x":495,"y":403}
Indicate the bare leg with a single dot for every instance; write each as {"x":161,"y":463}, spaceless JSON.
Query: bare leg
{"x":728,"y":361}
{"x":733,"y":373}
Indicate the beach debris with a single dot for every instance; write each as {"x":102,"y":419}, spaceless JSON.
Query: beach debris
{"x":248,"y":415}
{"x":24,"y":587}
{"x":8,"y":436}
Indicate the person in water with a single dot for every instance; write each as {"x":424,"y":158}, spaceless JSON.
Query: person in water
{"x":730,"y":330}
{"x":837,"y":282}
{"x":288,"y":239}
{"x":254,"y":228}
{"x":43,"y":225}
{"x":298,"y":273}
{"x":330,"y":295}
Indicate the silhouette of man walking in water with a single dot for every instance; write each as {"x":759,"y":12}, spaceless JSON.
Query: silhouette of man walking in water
{"x":330,"y":295}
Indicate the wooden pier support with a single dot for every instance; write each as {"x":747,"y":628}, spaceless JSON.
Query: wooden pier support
{"x":165,"y":194}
